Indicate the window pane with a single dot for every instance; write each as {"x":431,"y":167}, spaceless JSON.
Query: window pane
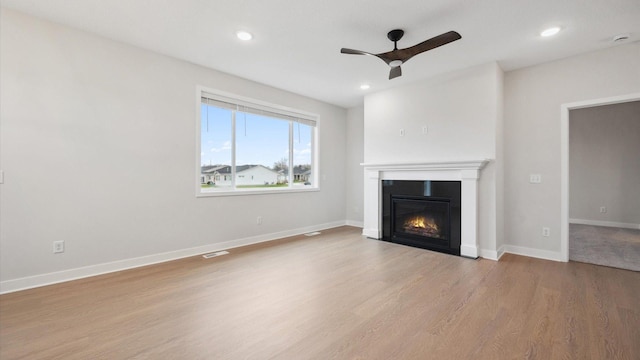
{"x":302,"y":145}
{"x":254,"y":145}
{"x":215,"y":148}
{"x":262,"y":151}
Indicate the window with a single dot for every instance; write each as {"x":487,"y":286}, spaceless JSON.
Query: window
{"x":248,"y":146}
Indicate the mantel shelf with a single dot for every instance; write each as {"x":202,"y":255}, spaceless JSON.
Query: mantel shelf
{"x":448,"y":165}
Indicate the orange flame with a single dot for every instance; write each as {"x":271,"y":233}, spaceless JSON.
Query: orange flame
{"x":422,"y":225}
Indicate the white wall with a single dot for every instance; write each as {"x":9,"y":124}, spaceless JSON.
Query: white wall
{"x":604,"y":163}
{"x":533,"y":99}
{"x":459,"y":110}
{"x":463,"y":116}
{"x":98,"y":149}
{"x":355,"y":171}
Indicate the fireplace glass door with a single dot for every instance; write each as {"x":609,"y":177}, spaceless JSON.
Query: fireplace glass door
{"x":421,"y":220}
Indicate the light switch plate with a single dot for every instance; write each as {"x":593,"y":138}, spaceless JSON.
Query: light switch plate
{"x":535,"y":178}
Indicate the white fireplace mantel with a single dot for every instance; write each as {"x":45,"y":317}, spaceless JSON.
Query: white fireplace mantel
{"x":467,"y":172}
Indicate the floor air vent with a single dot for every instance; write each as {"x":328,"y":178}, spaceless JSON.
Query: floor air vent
{"x":214,"y":254}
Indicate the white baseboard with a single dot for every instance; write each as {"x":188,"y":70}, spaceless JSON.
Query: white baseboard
{"x":536,"y":253}
{"x":469,"y":251}
{"x":30,"y":282}
{"x":605,"y":223}
{"x":492,"y":254}
{"x":354,"y":223}
{"x":371,"y":233}
{"x":488,"y":254}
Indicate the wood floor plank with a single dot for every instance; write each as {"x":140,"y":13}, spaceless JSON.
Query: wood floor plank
{"x":333,"y":296}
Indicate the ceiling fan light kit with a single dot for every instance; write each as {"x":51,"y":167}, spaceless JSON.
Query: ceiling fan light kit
{"x":397,"y":57}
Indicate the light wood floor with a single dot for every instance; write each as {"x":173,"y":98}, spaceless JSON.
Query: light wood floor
{"x":333,"y":296}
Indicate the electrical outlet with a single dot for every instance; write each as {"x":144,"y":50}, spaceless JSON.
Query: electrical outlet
{"x":401,"y":132}
{"x":535,"y":178}
{"x":58,"y":247}
{"x":425,"y":130}
{"x":546,"y":232}
{"x":259,"y":220}
{"x":603,"y":209}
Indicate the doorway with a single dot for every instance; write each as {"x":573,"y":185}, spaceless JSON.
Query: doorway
{"x":600,"y":192}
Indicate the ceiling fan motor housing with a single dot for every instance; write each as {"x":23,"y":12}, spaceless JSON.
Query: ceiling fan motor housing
{"x":395,"y":35}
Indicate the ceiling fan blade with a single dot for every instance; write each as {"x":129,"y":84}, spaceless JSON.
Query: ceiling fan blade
{"x":354,"y":52}
{"x":397,"y":56}
{"x":430,"y":44}
{"x":395,"y":72}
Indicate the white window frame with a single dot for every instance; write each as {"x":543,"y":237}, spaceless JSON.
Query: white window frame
{"x":215,"y":94}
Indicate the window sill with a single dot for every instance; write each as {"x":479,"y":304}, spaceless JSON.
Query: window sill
{"x":242,"y":192}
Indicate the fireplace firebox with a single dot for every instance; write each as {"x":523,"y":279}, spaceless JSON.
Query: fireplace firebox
{"x":424,"y":214}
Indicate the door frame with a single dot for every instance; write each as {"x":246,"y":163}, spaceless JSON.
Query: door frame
{"x":564,"y":159}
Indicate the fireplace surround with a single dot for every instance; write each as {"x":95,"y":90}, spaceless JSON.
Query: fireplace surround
{"x":465,"y":172}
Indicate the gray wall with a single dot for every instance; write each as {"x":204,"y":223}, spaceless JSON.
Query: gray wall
{"x":604,"y":163}
{"x":514,"y":119}
{"x":463,"y":113}
{"x":98,"y":149}
{"x":533,"y":99}
{"x":355,"y":171}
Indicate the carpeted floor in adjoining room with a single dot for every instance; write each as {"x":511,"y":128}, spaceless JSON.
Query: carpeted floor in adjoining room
{"x":608,"y":246}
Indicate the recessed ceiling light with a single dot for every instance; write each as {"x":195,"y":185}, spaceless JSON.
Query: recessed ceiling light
{"x":550,"y":31}
{"x":243,"y":35}
{"x":364,"y":86}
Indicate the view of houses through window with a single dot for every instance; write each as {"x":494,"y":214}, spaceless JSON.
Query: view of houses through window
{"x":245,"y":146}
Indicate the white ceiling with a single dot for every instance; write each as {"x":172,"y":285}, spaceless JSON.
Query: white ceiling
{"x":296,"y":44}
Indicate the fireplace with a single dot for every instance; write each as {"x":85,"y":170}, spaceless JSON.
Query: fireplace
{"x":377,"y":208}
{"x":424,"y":214}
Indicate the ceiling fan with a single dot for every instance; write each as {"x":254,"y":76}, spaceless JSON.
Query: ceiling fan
{"x":397,"y":57}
